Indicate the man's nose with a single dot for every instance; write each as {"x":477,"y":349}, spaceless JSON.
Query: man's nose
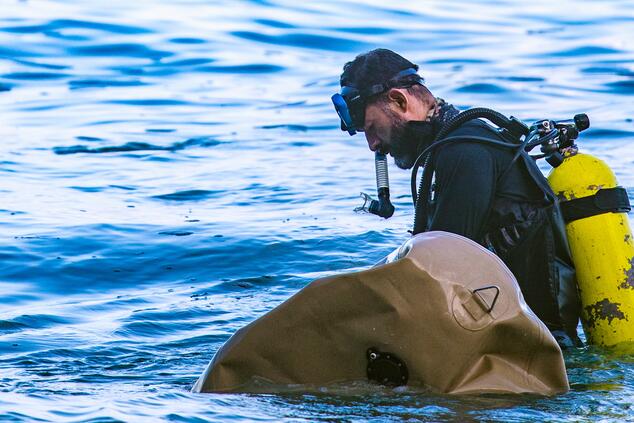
{"x":373,"y":141}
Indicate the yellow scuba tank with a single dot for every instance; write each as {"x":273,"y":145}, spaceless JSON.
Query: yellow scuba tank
{"x":600,"y":239}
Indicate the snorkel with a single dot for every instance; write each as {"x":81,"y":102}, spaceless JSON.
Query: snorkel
{"x":350,"y":106}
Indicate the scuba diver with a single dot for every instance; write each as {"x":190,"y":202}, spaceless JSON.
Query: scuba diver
{"x":471,"y":185}
{"x":444,"y":311}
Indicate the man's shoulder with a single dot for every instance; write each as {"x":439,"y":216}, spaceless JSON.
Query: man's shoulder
{"x":477,"y":149}
{"x":476,"y":128}
{"x":467,"y":150}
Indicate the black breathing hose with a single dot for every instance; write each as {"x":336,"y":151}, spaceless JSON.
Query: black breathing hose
{"x":426,"y":158}
{"x":479,"y":112}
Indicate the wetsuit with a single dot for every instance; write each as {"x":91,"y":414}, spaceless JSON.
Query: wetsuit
{"x":508,"y":207}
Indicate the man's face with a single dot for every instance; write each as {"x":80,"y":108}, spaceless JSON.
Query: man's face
{"x":386,"y":126}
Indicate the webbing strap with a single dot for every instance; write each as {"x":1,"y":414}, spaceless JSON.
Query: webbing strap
{"x":605,"y":200}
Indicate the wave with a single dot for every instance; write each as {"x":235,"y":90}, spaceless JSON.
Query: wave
{"x":59,"y":24}
{"x":310,"y":41}
{"x":137,"y":146}
{"x":31,"y":63}
{"x":35,"y":76}
{"x":584,"y":51}
{"x":102,"y":83}
{"x":119,"y":50}
{"x":32,"y":321}
{"x":187,"y":40}
{"x":250,"y":68}
{"x":176,"y":233}
{"x":621,"y":87}
{"x":190,"y":195}
{"x":483,"y":88}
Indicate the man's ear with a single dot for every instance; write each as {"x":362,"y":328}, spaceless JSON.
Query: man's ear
{"x":398,"y":98}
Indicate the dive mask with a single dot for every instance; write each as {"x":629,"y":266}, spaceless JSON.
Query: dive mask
{"x":350,"y":103}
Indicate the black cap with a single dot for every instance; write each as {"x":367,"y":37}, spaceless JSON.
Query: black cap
{"x":374,"y":67}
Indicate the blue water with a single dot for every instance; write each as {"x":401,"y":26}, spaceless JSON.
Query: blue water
{"x":172,"y":170}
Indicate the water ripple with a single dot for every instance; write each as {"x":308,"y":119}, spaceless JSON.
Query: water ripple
{"x":58,"y":24}
{"x":35,"y":75}
{"x":102,"y":83}
{"x":174,"y":170}
{"x":250,"y":68}
{"x":187,"y":40}
{"x":119,"y":50}
{"x":311,"y":41}
{"x":39,"y":321}
{"x":584,"y":51}
{"x":621,"y":87}
{"x":137,"y":146}
{"x":31,"y":63}
{"x":482,"y":88}
{"x":190,"y":195}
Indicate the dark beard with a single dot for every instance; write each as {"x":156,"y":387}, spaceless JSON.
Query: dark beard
{"x":408,"y":140}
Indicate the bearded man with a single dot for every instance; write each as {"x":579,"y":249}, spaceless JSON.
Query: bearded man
{"x":480,"y":191}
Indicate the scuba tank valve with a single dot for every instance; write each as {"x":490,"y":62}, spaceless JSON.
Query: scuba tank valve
{"x":381,"y":207}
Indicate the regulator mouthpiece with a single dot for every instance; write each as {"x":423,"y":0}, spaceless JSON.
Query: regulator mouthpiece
{"x":381,"y":207}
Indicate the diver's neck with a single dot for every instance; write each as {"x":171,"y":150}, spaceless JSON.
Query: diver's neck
{"x":433,"y":111}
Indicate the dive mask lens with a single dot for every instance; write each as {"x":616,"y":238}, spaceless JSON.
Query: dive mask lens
{"x":350,"y":103}
{"x":344,"y":114}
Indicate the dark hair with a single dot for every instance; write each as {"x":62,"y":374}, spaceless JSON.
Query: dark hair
{"x":374,"y":67}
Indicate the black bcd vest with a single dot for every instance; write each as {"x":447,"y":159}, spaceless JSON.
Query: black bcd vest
{"x":530,"y":238}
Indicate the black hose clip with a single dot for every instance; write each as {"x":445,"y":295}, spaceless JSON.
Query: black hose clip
{"x":381,"y":207}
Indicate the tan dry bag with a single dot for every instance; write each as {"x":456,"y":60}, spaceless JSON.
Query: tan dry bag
{"x":443,"y":314}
